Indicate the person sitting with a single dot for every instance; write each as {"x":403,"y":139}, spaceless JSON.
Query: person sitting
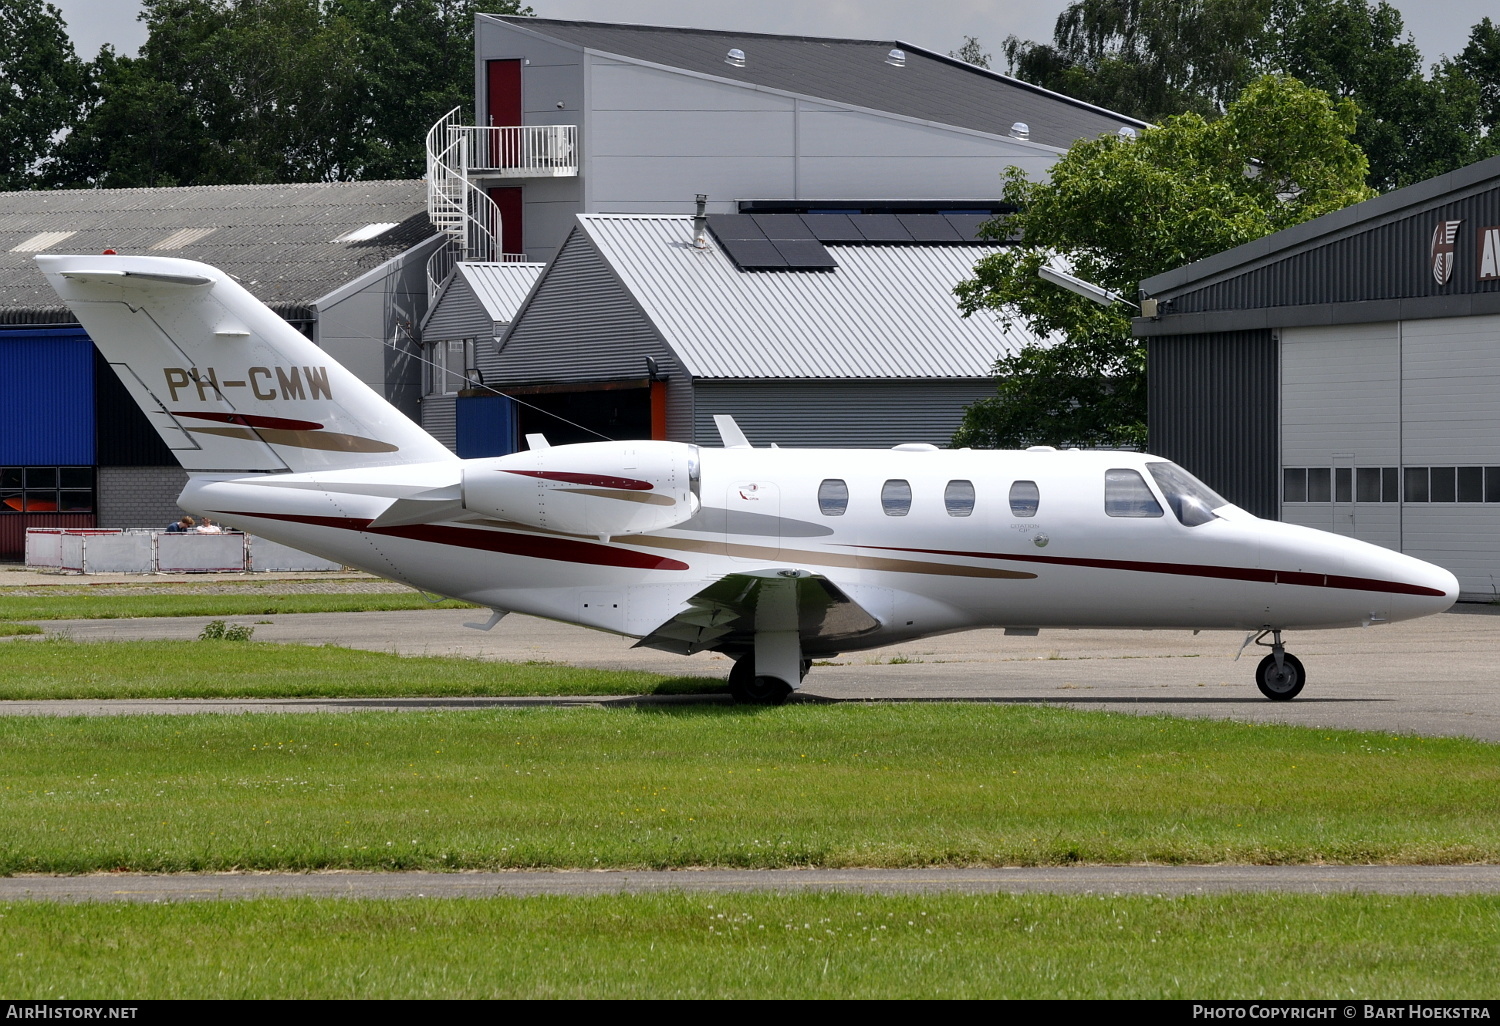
{"x":209,"y":527}
{"x":184,"y":526}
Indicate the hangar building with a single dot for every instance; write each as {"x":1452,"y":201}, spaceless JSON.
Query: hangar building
{"x":815,"y":329}
{"x":1345,"y":373}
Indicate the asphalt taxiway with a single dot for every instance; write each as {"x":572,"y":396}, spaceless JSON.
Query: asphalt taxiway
{"x":1433,"y":676}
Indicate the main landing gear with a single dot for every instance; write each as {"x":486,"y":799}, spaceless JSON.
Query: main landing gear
{"x":1279,"y":676}
{"x":749,"y":689}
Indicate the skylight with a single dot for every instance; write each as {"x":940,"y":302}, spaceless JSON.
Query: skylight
{"x":367,"y":233}
{"x":41,"y":241}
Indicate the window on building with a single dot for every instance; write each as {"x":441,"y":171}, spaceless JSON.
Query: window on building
{"x":833,"y":497}
{"x":1294,"y":484}
{"x":1443,"y":484}
{"x":448,"y":362}
{"x":1025,"y":499}
{"x":46,"y":490}
{"x":1414,"y":484}
{"x":1367,"y":484}
{"x":895,"y":498}
{"x":1470,"y":484}
{"x":1343,"y":484}
{"x":958,"y":498}
{"x":1319,"y":484}
{"x":1126,"y":495}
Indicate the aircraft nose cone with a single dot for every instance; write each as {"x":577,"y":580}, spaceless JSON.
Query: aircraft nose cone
{"x":1425,"y":587}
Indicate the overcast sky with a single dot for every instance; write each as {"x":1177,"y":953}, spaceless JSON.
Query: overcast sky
{"x":1440,"y":28}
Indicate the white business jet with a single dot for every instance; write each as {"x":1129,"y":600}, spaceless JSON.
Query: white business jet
{"x":775,"y":557}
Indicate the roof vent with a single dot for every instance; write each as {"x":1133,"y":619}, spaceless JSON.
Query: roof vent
{"x":1127,"y":134}
{"x":735,"y":57}
{"x":896,"y":58}
{"x":1020,"y":130}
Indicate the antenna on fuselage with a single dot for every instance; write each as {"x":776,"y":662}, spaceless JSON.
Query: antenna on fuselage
{"x":730,"y":433}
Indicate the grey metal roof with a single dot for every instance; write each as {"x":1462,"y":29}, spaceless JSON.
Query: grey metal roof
{"x":931,"y":87}
{"x":279,"y":240}
{"x":479,"y":299}
{"x":501,"y":288}
{"x":886,"y":311}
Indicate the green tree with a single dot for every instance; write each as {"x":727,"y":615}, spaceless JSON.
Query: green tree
{"x":971,"y":53}
{"x":1147,"y":58}
{"x":246,"y":91}
{"x":1118,"y":212}
{"x":42,"y":87}
{"x":1411,"y":127}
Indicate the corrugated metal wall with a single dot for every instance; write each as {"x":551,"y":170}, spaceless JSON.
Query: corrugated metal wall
{"x":439,"y":419}
{"x":46,"y":397}
{"x":581,"y":325}
{"x":1389,"y":261}
{"x":1213,"y":407}
{"x":485,"y":425}
{"x":837,"y":413}
{"x":458,"y":314}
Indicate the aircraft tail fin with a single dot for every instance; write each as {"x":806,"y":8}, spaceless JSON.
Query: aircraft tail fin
{"x":229,"y":385}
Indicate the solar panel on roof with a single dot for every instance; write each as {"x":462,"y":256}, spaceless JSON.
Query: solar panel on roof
{"x":782,"y":226}
{"x":754,"y":254}
{"x":881,"y":228}
{"x":832,"y":228}
{"x":734,"y":226}
{"x":805,"y":255}
{"x":967,"y":225}
{"x":929,"y":228}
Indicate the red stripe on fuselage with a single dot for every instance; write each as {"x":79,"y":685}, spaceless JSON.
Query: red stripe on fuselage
{"x":1225,"y":573}
{"x":596,"y":480}
{"x":563,"y":550}
{"x":253,"y":420}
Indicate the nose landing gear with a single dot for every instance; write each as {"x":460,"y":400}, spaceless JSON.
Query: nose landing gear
{"x":1280,"y":675}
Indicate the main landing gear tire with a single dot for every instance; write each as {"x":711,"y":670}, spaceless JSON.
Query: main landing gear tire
{"x":748,"y":689}
{"x":1280,"y":685}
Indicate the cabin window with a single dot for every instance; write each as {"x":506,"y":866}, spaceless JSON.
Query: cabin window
{"x":1025,"y":497}
{"x":895,"y":497}
{"x":1126,"y":495}
{"x":1192,"y":501}
{"x":833,"y":497}
{"x":958,"y":498}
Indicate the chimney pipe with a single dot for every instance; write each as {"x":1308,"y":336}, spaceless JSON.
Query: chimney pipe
{"x":700,"y":223}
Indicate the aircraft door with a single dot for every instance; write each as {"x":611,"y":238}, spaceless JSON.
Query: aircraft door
{"x":752,"y":522}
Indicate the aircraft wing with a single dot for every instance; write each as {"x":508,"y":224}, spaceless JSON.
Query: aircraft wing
{"x":727,"y":613}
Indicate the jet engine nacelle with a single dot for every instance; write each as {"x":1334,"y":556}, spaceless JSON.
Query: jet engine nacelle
{"x":595,"y":488}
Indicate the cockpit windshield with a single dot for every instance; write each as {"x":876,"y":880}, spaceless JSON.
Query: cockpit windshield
{"x":1192,"y":500}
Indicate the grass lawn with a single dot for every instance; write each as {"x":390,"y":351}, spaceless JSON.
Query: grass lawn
{"x":841,"y":785}
{"x":109,"y":605}
{"x":234,"y":669}
{"x":759,"y":945}
{"x":8,"y":630}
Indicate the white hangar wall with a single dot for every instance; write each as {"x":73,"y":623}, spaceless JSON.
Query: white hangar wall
{"x":1419,"y":399}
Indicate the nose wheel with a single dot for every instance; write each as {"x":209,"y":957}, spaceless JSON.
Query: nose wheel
{"x":1280,"y":675}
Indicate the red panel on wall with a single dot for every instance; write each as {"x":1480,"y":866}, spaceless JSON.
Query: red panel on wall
{"x":13,"y":529}
{"x":509,"y":202}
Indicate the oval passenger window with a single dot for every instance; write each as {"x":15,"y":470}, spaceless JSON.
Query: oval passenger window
{"x":895,"y":498}
{"x":1025,"y":497}
{"x":958,"y":498}
{"x":833,"y":497}
{"x":1126,"y":495}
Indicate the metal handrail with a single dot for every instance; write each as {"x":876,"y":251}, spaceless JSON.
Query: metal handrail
{"x":520,"y":151}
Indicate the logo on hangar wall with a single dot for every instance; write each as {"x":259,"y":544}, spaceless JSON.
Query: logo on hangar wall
{"x":1444,"y":239}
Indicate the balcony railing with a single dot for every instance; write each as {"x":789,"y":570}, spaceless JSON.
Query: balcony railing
{"x":520,"y":151}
